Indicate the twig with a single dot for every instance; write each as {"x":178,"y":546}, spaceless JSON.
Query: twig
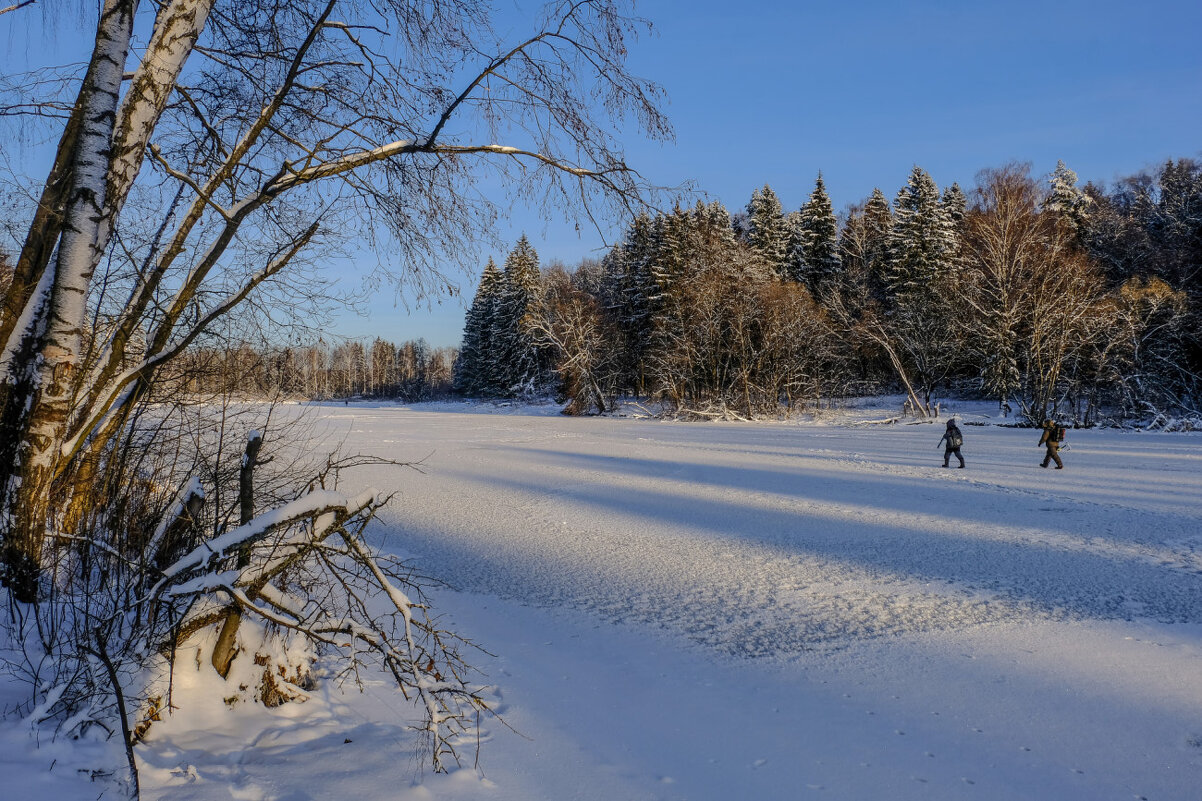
{"x":17,"y":6}
{"x":102,"y":654}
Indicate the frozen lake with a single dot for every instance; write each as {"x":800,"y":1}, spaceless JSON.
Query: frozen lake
{"x":774,"y":610}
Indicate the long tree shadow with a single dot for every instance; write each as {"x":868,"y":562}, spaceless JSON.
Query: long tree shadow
{"x":1176,"y":455}
{"x":899,"y":495}
{"x":752,"y":580}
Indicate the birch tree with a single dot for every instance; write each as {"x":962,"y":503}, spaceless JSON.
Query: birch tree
{"x":260,"y":130}
{"x":1034,"y":298}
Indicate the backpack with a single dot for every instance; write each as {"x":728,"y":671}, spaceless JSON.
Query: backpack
{"x":954,"y":438}
{"x":1058,"y":433}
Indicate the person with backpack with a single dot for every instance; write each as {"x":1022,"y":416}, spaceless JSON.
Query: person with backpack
{"x":1053,"y":435}
{"x":951,"y":440}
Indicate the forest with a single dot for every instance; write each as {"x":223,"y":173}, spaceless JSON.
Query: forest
{"x":1080,"y":302}
{"x":412,"y":371}
{"x":195,"y":171}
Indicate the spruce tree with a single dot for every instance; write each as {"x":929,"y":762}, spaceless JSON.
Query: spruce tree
{"x":475,"y":369}
{"x":922,"y":243}
{"x":795,"y":258}
{"x":520,"y":363}
{"x":767,"y":233}
{"x":632,"y":302}
{"x":921,"y":309}
{"x":669,"y":264}
{"x":1067,"y":202}
{"x":820,"y":239}
{"x":878,"y":224}
{"x":715,"y":221}
{"x":955,"y":205}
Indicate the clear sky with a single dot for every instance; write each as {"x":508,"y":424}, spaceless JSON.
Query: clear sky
{"x":773,"y":92}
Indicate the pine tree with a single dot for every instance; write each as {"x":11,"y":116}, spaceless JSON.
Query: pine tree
{"x":715,"y":222}
{"x":669,"y":264}
{"x":819,"y":240}
{"x":520,"y":362}
{"x":767,"y":233}
{"x":922,"y":241}
{"x":475,"y":369}
{"x":878,"y":225}
{"x":1067,"y":202}
{"x":632,"y":296}
{"x":795,"y":256}
{"x":955,"y":206}
{"x":864,"y":246}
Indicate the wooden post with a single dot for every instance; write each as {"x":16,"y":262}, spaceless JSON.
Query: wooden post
{"x":223,"y":651}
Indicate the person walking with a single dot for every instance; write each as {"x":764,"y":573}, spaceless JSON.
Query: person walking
{"x":951,"y":440}
{"x":1053,"y":435}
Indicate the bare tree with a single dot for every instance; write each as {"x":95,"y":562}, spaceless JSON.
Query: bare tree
{"x":583,"y":343}
{"x":1032,"y":294}
{"x":264,"y":126}
{"x":207,"y":178}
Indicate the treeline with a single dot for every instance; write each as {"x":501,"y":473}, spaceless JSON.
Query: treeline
{"x":1052,"y":299}
{"x":412,"y":371}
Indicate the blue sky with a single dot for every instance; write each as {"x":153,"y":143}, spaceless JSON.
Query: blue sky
{"x":773,"y":92}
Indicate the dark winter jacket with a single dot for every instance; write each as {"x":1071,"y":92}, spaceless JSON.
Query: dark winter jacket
{"x":952,"y":434}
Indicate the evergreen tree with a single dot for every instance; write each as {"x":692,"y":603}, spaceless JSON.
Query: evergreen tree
{"x":669,"y":263}
{"x":631,"y":299}
{"x":475,"y":369}
{"x":795,"y":258}
{"x":1068,"y":202}
{"x":878,"y":223}
{"x":819,"y":239}
{"x":715,"y":221}
{"x":520,"y":362}
{"x":767,"y":233}
{"x":955,"y":206}
{"x":922,"y":241}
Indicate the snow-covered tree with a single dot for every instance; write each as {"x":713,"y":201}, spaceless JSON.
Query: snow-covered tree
{"x":1067,"y":201}
{"x":955,"y":205}
{"x":919,"y":329}
{"x":476,"y":368}
{"x":819,"y":240}
{"x":795,"y":256}
{"x":1032,"y":299}
{"x":922,"y":239}
{"x":767,"y":232}
{"x":629,"y":297}
{"x":864,"y":244}
{"x":520,"y":365}
{"x":209,"y":150}
{"x":274,"y":102}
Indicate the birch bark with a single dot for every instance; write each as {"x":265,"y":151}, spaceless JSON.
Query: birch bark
{"x":44,"y":346}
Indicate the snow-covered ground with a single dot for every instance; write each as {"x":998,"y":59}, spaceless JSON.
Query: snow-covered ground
{"x":802,"y":609}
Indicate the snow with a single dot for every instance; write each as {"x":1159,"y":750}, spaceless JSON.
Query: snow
{"x":807,"y":608}
{"x":309,"y":503}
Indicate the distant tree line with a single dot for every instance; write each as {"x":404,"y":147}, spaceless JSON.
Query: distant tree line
{"x":1052,"y":299}
{"x":412,"y":371}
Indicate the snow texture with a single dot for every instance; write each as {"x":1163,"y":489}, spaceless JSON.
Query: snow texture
{"x":802,"y":609}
